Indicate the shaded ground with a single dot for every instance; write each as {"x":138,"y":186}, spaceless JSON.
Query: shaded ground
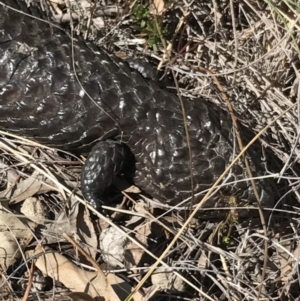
{"x":240,"y":52}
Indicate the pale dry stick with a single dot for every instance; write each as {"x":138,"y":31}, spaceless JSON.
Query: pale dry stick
{"x":133,"y":4}
{"x":205,"y":199}
{"x":124,"y":211}
{"x":29,"y":283}
{"x":215,"y":9}
{"x":56,"y":2}
{"x":89,"y":21}
{"x":235,"y":40}
{"x":225,"y":268}
{"x":241,"y":248}
{"x":244,"y":36}
{"x":154,"y":289}
{"x":20,"y":157}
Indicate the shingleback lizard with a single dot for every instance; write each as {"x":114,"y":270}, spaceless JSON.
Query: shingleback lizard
{"x":40,"y":98}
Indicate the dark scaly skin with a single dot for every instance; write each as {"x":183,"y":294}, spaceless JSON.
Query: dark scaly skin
{"x":40,"y":98}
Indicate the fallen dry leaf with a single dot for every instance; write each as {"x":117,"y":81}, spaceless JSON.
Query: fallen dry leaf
{"x":35,"y":210}
{"x":133,"y":253}
{"x":85,"y":230}
{"x":14,"y":236}
{"x":132,"y":189}
{"x":28,"y":187}
{"x":8,"y":173}
{"x":76,"y":223}
{"x":288,"y":258}
{"x":111,"y":245}
{"x":166,"y":280}
{"x":108,"y":286}
{"x":157,"y":7}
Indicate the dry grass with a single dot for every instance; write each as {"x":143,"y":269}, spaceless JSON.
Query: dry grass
{"x":251,"y":47}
